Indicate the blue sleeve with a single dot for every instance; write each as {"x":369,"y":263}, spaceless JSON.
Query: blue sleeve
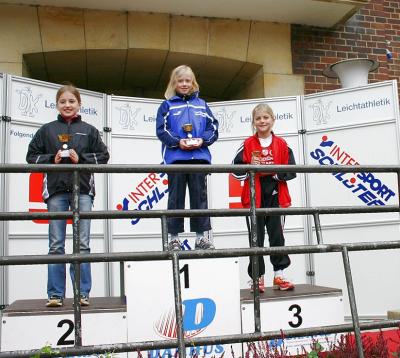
{"x":210,"y":134}
{"x":163,"y":130}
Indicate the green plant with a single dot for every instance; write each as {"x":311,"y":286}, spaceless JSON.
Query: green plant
{"x":47,"y":349}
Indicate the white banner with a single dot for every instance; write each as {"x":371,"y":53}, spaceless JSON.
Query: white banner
{"x":235,"y":119}
{"x":134,"y":138}
{"x":35,"y":102}
{"x":133,"y":116}
{"x":371,"y":139}
{"x":375,"y":103}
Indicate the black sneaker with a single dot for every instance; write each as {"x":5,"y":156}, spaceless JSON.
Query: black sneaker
{"x":54,"y":301}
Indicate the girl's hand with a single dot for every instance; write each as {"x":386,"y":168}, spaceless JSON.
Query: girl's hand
{"x":199,"y":143}
{"x":57,"y":158}
{"x":184,"y":146}
{"x":73,"y":156}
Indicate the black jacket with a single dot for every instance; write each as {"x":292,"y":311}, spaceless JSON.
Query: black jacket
{"x":82,"y":137}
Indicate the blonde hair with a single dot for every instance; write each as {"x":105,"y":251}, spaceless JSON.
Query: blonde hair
{"x":69,"y":88}
{"x":175,"y":74}
{"x":262,"y":107}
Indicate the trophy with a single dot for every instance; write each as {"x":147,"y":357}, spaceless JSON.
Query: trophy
{"x":187,"y":128}
{"x":64,"y":138}
{"x":256,"y":157}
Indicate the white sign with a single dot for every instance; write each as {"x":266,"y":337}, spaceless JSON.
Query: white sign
{"x":235,"y":120}
{"x":35,"y":102}
{"x":356,"y":106}
{"x":210,"y":298}
{"x":134,"y":116}
{"x":57,"y":330}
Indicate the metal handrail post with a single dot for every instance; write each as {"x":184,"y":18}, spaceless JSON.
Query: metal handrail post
{"x":122,"y":280}
{"x":318,"y":230}
{"x":254,"y":259}
{"x":76,"y":250}
{"x":178,"y":306}
{"x":398,"y":186}
{"x":352,"y":300}
{"x":164,"y":232}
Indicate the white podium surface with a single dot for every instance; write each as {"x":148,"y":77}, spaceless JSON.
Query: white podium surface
{"x":28,"y":324}
{"x":305,"y":307}
{"x":210,"y":297}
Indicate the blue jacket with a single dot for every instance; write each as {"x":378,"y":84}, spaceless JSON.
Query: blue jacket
{"x":172,"y":115}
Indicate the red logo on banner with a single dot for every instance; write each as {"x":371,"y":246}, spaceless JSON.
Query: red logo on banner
{"x":36,"y":202}
{"x":235,"y":192}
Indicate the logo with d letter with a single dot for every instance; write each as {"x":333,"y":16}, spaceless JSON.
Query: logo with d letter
{"x":198,"y":314}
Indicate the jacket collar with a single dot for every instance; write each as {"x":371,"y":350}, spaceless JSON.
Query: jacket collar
{"x":179,"y":97}
{"x":78,"y":118}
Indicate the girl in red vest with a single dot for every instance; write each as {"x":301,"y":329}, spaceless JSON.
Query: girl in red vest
{"x":265,"y":148}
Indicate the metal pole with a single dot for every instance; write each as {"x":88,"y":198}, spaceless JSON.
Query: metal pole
{"x":352,"y":300}
{"x":122,"y":279}
{"x":164,"y":232}
{"x":77,"y":267}
{"x":318,"y":231}
{"x":398,"y":186}
{"x":254,"y":259}
{"x":178,"y":306}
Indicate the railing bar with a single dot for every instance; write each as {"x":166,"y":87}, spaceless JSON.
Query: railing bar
{"x":76,"y":264}
{"x":194,"y":168}
{"x":352,"y":300}
{"x":178,"y":305}
{"x":254,"y":259}
{"x":151,"y":214}
{"x":318,"y":230}
{"x":192,"y":254}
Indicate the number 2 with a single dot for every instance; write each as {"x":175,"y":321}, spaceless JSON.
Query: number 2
{"x":70,"y":327}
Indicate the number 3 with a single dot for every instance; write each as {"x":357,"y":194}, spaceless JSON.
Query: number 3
{"x":297,"y":315}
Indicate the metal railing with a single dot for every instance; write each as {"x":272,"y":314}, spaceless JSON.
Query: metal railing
{"x":181,"y":343}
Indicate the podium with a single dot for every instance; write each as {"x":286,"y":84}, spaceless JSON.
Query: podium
{"x":213,"y":304}
{"x":29,"y":324}
{"x":210,"y":293}
{"x":304,"y":307}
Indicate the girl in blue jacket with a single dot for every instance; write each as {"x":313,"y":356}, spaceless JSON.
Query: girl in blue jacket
{"x":186,"y":127}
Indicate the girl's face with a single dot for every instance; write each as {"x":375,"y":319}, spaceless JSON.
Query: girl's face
{"x":184,"y":84}
{"x":263,"y":123}
{"x":68,"y":105}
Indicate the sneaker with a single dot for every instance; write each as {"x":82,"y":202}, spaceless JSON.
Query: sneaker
{"x":54,"y":301}
{"x":282,"y":284}
{"x":261,"y":285}
{"x":84,"y":301}
{"x":204,"y":244}
{"x":174,"y":245}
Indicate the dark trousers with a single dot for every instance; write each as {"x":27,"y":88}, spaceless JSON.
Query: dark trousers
{"x":197,"y":184}
{"x":274,"y":225}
